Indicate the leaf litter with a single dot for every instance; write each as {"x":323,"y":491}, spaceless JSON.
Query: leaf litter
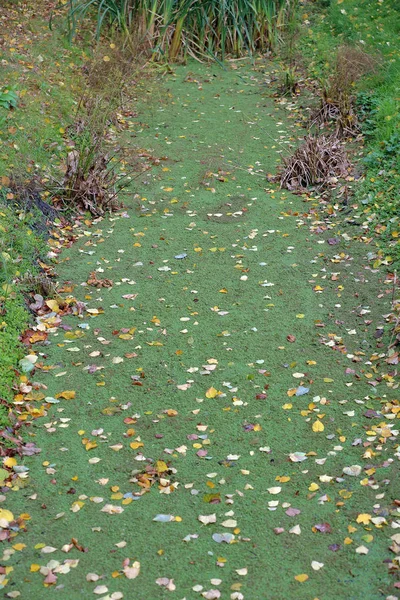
{"x":132,"y":448}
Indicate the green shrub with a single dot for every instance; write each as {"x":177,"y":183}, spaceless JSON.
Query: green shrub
{"x":8,"y":98}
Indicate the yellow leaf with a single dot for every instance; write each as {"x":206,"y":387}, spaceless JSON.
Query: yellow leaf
{"x":345,"y":494}
{"x":318,"y":426}
{"x":161,"y":466}
{"x":6,"y":515}
{"x":328,"y":380}
{"x":351,"y":529}
{"x":19,"y":547}
{"x":117,"y":496}
{"x":302,"y":577}
{"x":77,"y":505}
{"x":90,"y":445}
{"x":53,"y":305}
{"x":171,"y":412}
{"x":136,"y":445}
{"x":363,"y":518}
{"x":313,"y":487}
{"x":211,"y":392}
{"x":9,"y":462}
{"x":67,"y":395}
{"x":35,"y":568}
{"x":282,"y":478}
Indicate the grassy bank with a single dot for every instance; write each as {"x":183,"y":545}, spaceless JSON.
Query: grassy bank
{"x":374,"y":27}
{"x":38,"y":95}
{"x":20,"y":248}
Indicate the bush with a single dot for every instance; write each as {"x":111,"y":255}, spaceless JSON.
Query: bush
{"x":337,"y":96}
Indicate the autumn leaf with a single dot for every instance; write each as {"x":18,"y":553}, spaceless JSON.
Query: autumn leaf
{"x":67,"y":395}
{"x":302,"y":577}
{"x":318,"y":426}
{"x":136,"y":445}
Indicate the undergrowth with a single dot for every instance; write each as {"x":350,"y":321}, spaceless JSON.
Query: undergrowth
{"x":44,"y":79}
{"x":20,"y":248}
{"x":373,"y":27}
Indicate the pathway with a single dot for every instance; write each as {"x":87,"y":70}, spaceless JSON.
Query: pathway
{"x":221,"y":437}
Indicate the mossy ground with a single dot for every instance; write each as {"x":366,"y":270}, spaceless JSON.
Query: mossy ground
{"x":225,"y":267}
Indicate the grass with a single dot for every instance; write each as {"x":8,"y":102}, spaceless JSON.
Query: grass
{"x":374,"y":27}
{"x":37,"y":102}
{"x":20,"y":247}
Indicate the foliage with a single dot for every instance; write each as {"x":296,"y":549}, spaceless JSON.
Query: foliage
{"x":288,"y":81}
{"x":197,"y":27}
{"x":8,"y":98}
{"x":374,"y":27}
{"x":337,"y":97}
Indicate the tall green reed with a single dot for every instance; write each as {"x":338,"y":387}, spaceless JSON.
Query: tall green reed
{"x":175,"y":28}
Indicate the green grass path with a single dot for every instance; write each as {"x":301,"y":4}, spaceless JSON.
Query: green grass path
{"x":223,"y":268}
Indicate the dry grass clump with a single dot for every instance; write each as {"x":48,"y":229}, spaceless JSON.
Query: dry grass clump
{"x":109,"y":75}
{"x":92,"y":177}
{"x":318,"y":161}
{"x":39,"y":283}
{"x":337,"y":97}
{"x":90,"y":181}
